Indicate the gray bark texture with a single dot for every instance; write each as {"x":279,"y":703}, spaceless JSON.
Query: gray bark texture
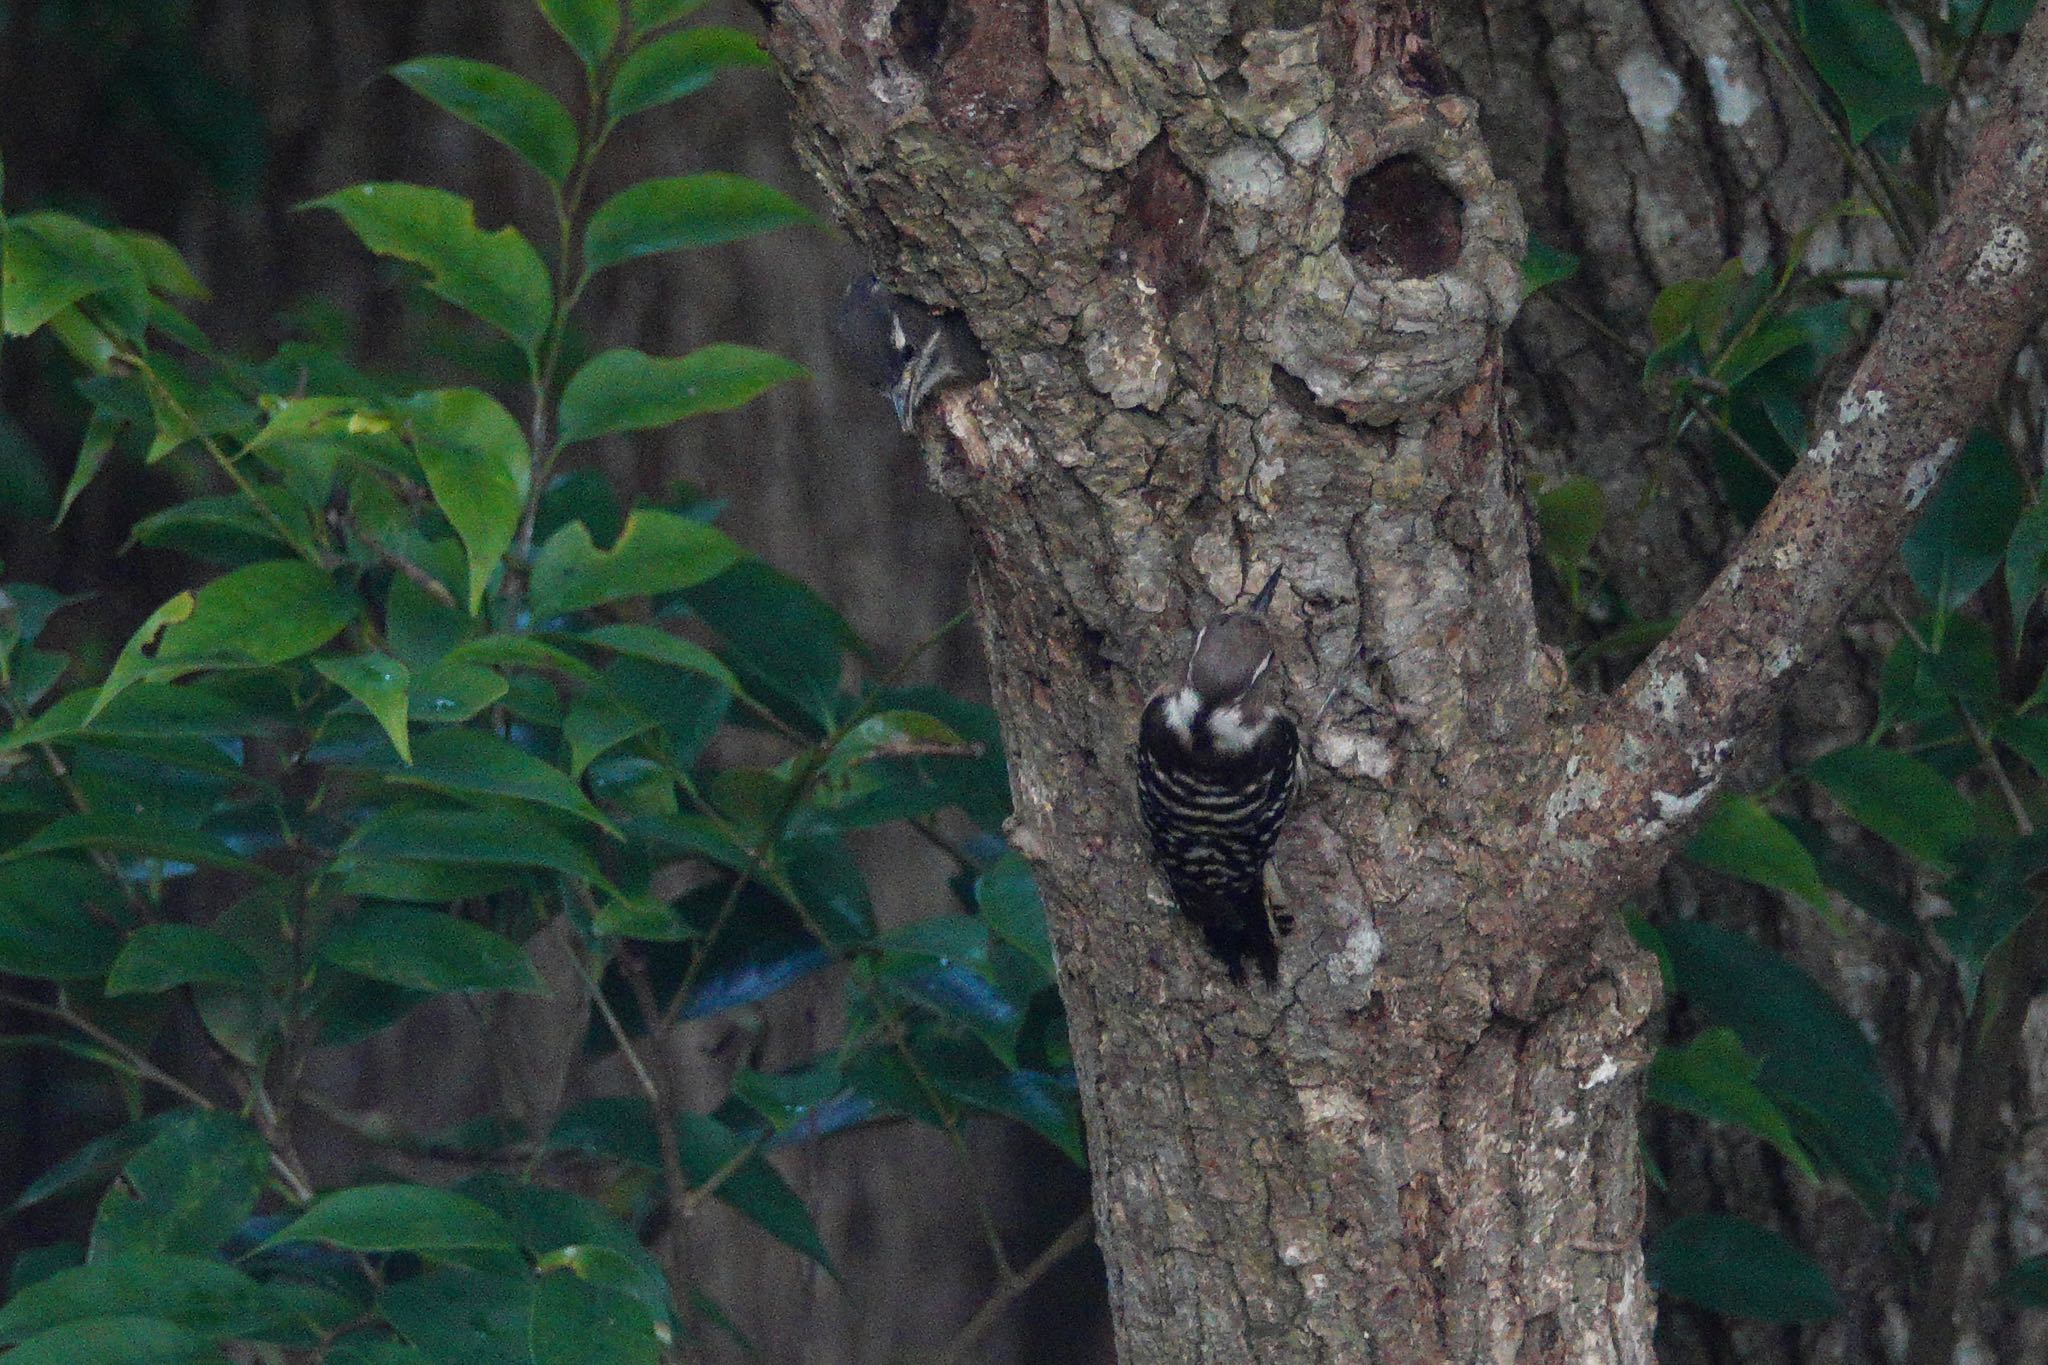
{"x":1243,"y":276}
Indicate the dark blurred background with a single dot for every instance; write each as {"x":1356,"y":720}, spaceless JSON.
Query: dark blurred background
{"x":206,"y":123}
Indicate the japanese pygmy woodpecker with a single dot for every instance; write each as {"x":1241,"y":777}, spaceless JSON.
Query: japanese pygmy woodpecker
{"x":903,"y":348}
{"x":1216,"y":769}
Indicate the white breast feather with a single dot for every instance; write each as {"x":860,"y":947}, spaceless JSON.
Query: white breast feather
{"x":1180,"y":713}
{"x":1232,"y":731}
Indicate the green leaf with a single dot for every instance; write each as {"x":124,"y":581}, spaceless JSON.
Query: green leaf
{"x":652,"y":14}
{"x":1544,"y":265}
{"x":135,"y":659}
{"x":269,"y":612}
{"x":562,"y":1229}
{"x":786,"y":642}
{"x":590,"y":27}
{"x":893,"y":734}
{"x":657,"y":552}
{"x":480,"y":470}
{"x":1735,"y":1267}
{"x":1990,"y":899}
{"x":428,"y":951}
{"x":754,"y":1188}
{"x":1960,"y":539}
{"x":450,"y":693}
{"x":56,"y":919}
{"x":1818,"y":1067}
{"x":2006,"y":17}
{"x":457,"y":1316}
{"x":683,"y":211}
{"x":1898,"y":798}
{"x":509,"y":107}
{"x":497,"y":276}
{"x":1007,"y":895}
{"x":1859,"y":49}
{"x":679,"y":64}
{"x":576,"y":1322}
{"x":628,"y":390}
{"x":1713,"y":1077}
{"x":380,"y":683}
{"x":198,"y":1293}
{"x":663,"y":647}
{"x":2026,"y":561}
{"x":498,"y":838}
{"x":1570,"y":514}
{"x":186,"y":1191}
{"x":159,"y":957}
{"x":142,"y":835}
{"x":1744,"y":840}
{"x":93,"y":450}
{"x":399,"y":1218}
{"x":128,"y":1340}
{"x":477,"y":763}
{"x":53,"y":261}
{"x":96,"y":1160}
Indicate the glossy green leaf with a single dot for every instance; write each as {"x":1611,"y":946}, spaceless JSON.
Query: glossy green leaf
{"x":1989,"y":899}
{"x":498,"y":838}
{"x":381,"y":684}
{"x":1818,"y":1067}
{"x":128,"y":1340}
{"x":657,"y":552}
{"x":457,"y":1316}
{"x":186,"y":1191}
{"x":144,"y":836}
{"x":1713,"y":1077}
{"x":509,"y":107}
{"x":684,"y":211}
{"x":136,"y":657}
{"x":1544,"y":265}
{"x":1735,"y":1267}
{"x":198,"y":1293}
{"x":787,"y":643}
{"x":57,"y":919}
{"x":651,"y":14}
{"x":398,"y":1218}
{"x":561,"y":1228}
{"x":53,"y":261}
{"x":589,"y":26}
{"x":679,"y":64}
{"x":578,"y":1322}
{"x":450,"y":693}
{"x":159,"y":957}
{"x":1961,"y":537}
{"x":426,"y":950}
{"x":497,"y":276}
{"x":2026,"y":561}
{"x":662,"y":647}
{"x":95,"y":1161}
{"x":1570,"y":514}
{"x":1865,"y":58}
{"x":477,"y":763}
{"x":1744,"y":840}
{"x":478,"y":466}
{"x":267,"y":613}
{"x":628,"y":390}
{"x":93,"y":449}
{"x":1007,"y":895}
{"x":1898,"y":798}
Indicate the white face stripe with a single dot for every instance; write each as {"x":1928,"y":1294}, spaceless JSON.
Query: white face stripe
{"x":1180,"y":713}
{"x":1260,"y":671}
{"x":1227,"y":726}
{"x":1199,"y":635}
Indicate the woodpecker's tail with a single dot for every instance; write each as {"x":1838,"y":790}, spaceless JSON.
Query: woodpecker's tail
{"x":1235,"y":925}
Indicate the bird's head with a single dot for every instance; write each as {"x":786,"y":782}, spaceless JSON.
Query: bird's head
{"x":1233,"y":651}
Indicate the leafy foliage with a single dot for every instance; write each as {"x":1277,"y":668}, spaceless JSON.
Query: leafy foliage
{"x":435,"y":698}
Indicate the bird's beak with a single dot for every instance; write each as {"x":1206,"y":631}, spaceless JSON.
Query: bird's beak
{"x":1265,"y":597}
{"x":903,"y":398}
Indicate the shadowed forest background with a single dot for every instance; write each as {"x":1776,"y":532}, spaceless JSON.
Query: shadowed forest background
{"x":1653,"y":141}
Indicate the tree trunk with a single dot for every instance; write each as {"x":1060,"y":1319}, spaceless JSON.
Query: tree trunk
{"x":1243,"y":280}
{"x":1245,"y":294}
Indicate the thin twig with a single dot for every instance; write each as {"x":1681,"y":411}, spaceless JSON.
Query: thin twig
{"x":1012,"y":1287}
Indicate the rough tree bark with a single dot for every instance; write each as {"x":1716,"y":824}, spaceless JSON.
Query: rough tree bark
{"x":1243,"y":272}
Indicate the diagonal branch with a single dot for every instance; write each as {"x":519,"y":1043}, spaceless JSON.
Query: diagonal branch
{"x":1638,"y":773}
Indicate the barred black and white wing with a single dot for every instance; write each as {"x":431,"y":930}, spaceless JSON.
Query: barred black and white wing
{"x":1214,"y":817}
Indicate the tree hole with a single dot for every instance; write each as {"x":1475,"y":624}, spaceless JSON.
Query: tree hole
{"x":920,"y":30}
{"x":1398,"y":216}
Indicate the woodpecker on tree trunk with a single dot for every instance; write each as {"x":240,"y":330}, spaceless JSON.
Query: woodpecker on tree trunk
{"x":903,"y":348}
{"x":1217,"y":768}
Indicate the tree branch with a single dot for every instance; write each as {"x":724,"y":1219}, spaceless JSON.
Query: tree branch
{"x":1637,"y":776}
